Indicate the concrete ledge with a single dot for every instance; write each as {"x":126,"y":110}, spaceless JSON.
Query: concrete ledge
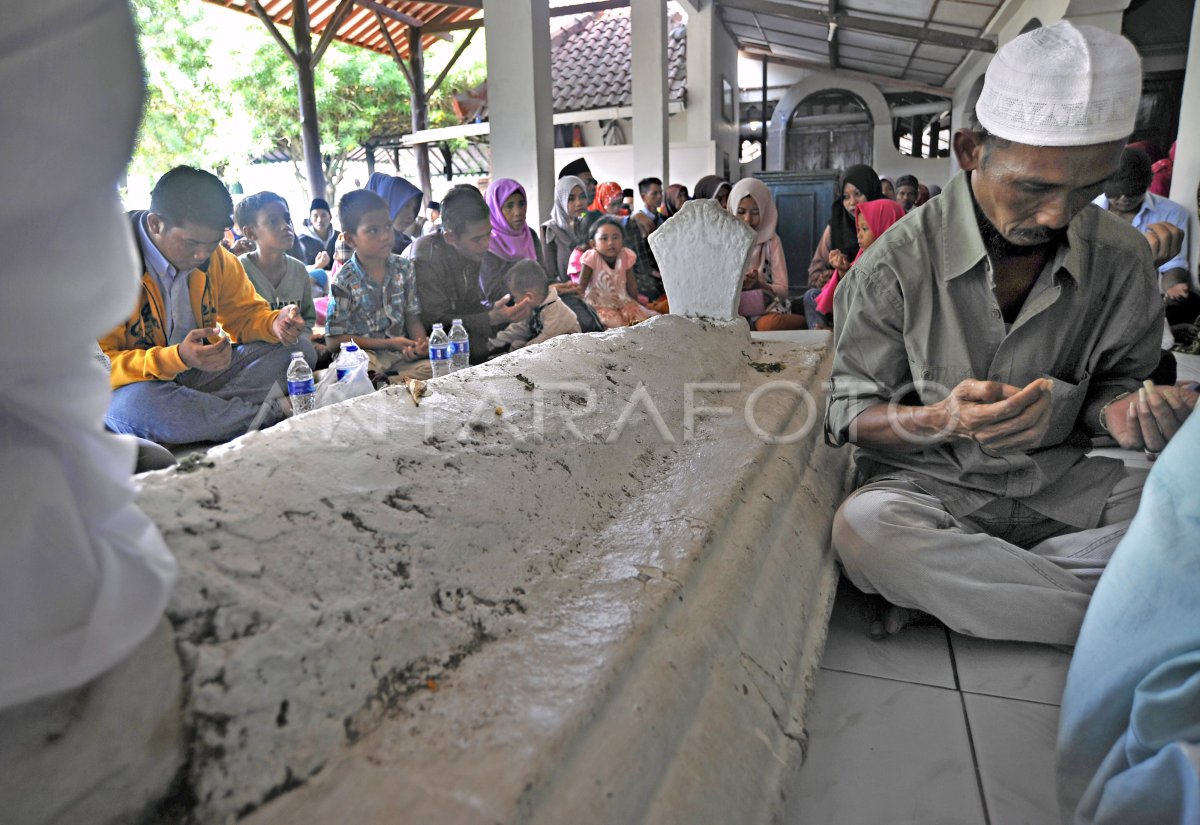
{"x":477,"y":611}
{"x":101,"y":754}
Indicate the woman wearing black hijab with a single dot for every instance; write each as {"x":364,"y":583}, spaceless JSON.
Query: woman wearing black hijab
{"x":839,"y":241}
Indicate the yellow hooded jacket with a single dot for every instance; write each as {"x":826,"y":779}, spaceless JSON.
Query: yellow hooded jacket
{"x":220,"y":292}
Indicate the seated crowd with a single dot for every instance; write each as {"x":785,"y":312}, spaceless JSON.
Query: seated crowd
{"x":389,"y":275}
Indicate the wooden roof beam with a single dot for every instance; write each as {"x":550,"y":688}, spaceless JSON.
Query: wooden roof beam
{"x":262,"y":15}
{"x":335,"y":23}
{"x":851,"y":23}
{"x":832,"y":37}
{"x":878,"y":79}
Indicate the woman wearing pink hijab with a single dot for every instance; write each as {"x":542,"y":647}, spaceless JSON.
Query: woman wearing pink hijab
{"x":512,"y":238}
{"x":873,"y":219}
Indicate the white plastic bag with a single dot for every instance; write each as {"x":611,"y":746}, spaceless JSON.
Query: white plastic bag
{"x":353,"y":384}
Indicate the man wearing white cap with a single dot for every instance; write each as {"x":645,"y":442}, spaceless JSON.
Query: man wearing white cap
{"x":985,"y":339}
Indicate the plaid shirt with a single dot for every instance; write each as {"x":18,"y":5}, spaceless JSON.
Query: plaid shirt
{"x":360,"y":306}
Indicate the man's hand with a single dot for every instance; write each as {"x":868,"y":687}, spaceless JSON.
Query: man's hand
{"x":1150,"y":417}
{"x":288,"y":325}
{"x":1165,"y":240}
{"x":241,"y":246}
{"x":198,"y":354}
{"x":502,"y":314}
{"x":1000,"y":417}
{"x":322,"y":260}
{"x":838,"y":260}
{"x":407,"y":347}
{"x":1176,"y":294}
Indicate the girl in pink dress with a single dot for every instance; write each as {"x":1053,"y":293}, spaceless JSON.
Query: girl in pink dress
{"x":606,"y":277}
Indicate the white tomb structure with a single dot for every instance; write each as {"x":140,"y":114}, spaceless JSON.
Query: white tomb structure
{"x":588,"y":581}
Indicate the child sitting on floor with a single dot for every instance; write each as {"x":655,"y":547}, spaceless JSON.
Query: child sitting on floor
{"x":606,"y":277}
{"x":550,"y":317}
{"x":373,"y":298}
{"x":279,"y":278}
{"x":872,"y":218}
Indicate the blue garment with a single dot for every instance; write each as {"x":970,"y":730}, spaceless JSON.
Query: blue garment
{"x":208,"y":406}
{"x":396,"y":191}
{"x":1129,"y":735}
{"x":1156,"y":209}
{"x":358,"y":305}
{"x":812,"y":315}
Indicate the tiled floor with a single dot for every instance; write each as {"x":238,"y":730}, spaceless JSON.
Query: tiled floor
{"x":928,"y":728}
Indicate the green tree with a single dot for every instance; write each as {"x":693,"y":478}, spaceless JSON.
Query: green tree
{"x":185,"y":111}
{"x":360,"y":94}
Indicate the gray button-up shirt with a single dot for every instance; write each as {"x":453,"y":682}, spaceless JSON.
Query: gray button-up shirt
{"x":918,"y":314}
{"x":173,"y":285}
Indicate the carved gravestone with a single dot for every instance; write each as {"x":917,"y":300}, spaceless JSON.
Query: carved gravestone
{"x":701,"y":252}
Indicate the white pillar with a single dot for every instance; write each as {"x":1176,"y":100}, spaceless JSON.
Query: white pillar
{"x":649,"y":22}
{"x":520,"y":105}
{"x":1186,"y":175}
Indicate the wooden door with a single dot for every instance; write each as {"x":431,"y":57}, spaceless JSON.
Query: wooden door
{"x":804,"y":201}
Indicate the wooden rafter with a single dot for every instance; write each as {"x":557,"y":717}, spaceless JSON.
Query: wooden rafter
{"x":833,"y":35}
{"x":878,"y":79}
{"x":454,"y":59}
{"x":358,"y":25}
{"x":852,"y":22}
{"x":262,"y":15}
{"x":395,"y":51}
{"x":331,"y":28}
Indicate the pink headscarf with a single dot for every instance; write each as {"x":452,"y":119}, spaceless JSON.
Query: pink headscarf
{"x":1161,"y":183}
{"x":880,"y":215}
{"x":508,"y":243}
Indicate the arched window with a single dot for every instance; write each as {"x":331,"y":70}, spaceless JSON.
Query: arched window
{"x":830,"y":129}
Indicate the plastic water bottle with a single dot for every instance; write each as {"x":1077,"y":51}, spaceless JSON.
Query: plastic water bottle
{"x":301,"y":389}
{"x":460,"y":346}
{"x":439,"y":351}
{"x":349,"y":357}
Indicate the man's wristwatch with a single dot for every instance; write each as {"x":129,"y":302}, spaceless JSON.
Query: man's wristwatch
{"x":1104,"y":411}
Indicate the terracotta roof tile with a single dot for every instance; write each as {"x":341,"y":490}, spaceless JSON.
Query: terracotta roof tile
{"x":592,"y":67}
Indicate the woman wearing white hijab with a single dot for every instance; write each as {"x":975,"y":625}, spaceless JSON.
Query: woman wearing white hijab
{"x":764,"y":300}
{"x":560,"y":234}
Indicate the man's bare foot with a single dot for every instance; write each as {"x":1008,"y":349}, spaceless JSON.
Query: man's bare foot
{"x":893,"y":619}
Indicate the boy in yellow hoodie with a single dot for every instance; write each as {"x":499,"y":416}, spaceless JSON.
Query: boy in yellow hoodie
{"x":176,"y":379}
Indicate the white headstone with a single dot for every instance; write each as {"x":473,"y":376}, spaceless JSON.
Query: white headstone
{"x":701,"y":252}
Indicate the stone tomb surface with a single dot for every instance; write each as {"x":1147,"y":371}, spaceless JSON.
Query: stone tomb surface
{"x":547,"y":594}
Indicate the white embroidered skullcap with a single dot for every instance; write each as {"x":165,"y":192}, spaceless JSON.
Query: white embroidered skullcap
{"x":1062,"y":85}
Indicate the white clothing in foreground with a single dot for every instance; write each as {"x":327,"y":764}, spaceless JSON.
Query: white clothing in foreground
{"x":84,"y":575}
{"x":1129,"y":733}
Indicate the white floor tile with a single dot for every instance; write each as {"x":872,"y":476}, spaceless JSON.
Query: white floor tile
{"x":1014,"y":745}
{"x":882,"y":751}
{"x":917,"y":654}
{"x":1015,"y":670}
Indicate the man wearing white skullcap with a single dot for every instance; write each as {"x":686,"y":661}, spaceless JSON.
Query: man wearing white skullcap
{"x":983,"y":341}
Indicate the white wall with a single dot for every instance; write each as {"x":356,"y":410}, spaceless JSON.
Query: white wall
{"x":886,"y":158}
{"x":711,"y":54}
{"x":1186,"y":173}
{"x":593,"y":130}
{"x":725,"y":64}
